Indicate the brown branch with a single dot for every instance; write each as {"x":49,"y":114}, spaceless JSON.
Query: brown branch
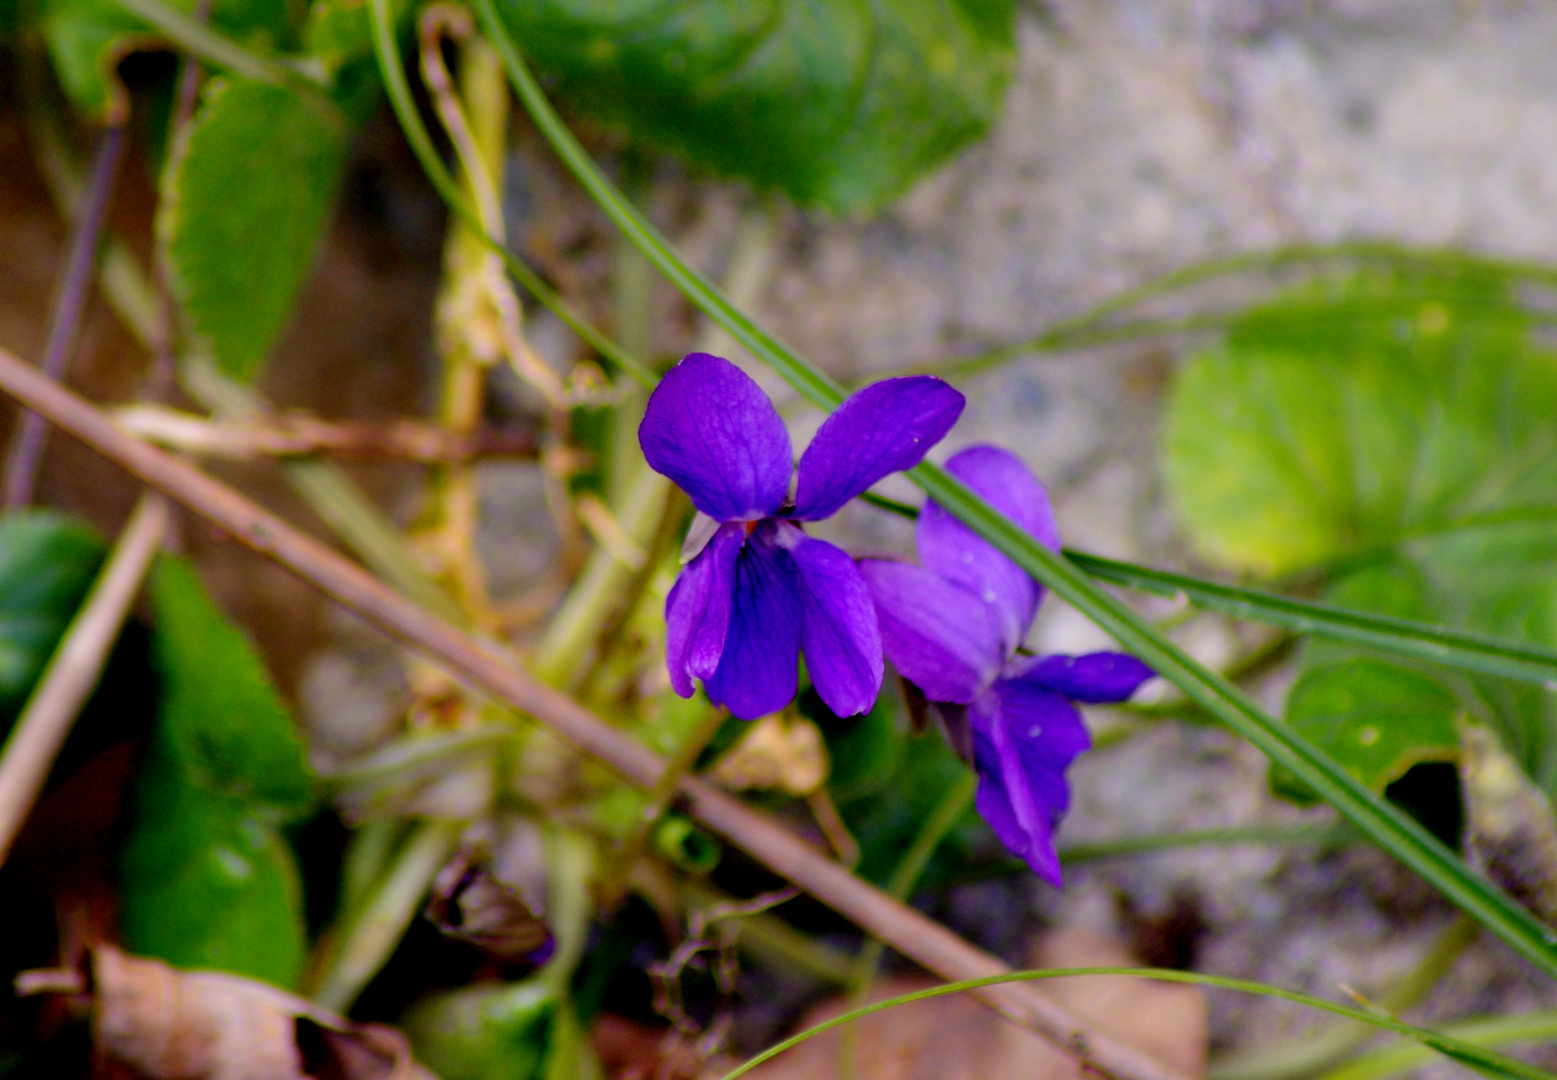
{"x":298,"y":435}
{"x":77,"y":664}
{"x":921,"y":939}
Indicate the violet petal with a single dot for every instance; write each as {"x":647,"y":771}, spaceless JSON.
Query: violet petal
{"x":884,"y":428}
{"x":938,"y":635}
{"x":952,"y":549}
{"x":1023,"y":739}
{"x":759,"y":670}
{"x":697,"y":612}
{"x":1096,"y":677}
{"x":710,"y":428}
{"x":838,"y":631}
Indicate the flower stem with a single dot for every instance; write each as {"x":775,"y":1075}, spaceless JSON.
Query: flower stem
{"x":375,"y":929}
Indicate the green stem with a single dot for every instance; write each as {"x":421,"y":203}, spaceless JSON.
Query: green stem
{"x":941,"y":820}
{"x":1394,"y":830}
{"x":387,"y":51}
{"x":567,"y":646}
{"x":376,"y":928}
{"x":1312,"y":1052}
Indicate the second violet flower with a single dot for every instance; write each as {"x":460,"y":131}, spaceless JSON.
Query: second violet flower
{"x":757,"y":591}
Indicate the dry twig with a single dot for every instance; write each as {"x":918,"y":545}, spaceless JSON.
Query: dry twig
{"x":75,"y":668}
{"x":922,"y":939}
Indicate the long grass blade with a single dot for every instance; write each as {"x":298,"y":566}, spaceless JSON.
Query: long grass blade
{"x":1398,"y":637}
{"x":1467,"y":1053}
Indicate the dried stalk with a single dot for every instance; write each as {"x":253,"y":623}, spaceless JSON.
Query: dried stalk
{"x":73,"y":671}
{"x":910,"y":933}
{"x":295,"y":435}
{"x":21,"y":474}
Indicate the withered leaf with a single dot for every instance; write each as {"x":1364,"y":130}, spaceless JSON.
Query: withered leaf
{"x":470,"y":904}
{"x":170,"y":1024}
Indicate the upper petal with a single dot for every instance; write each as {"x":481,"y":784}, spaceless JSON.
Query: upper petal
{"x":697,"y":612}
{"x":882,"y":429}
{"x":710,"y":428}
{"x":949,"y":547}
{"x":1096,"y":677}
{"x":939,"y":636}
{"x":758,"y":672}
{"x":1023,"y":738}
{"x":838,"y":630}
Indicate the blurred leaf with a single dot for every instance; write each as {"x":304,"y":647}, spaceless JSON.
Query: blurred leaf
{"x":836,"y":103}
{"x":86,"y":38}
{"x":1402,"y":424}
{"x":47,"y":564}
{"x":1375,"y":717}
{"x":483,"y":1031}
{"x":340,"y":31}
{"x":206,"y":878}
{"x":886,"y":781}
{"x":1392,"y":415}
{"x":245,"y":200}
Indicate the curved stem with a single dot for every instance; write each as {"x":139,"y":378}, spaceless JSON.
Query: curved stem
{"x":1445,"y":1044}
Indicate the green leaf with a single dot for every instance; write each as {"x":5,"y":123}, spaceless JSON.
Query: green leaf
{"x":206,"y":878}
{"x":47,"y":564}
{"x":1405,"y":419}
{"x":1376,"y":718}
{"x":87,"y":38}
{"x":836,"y":103}
{"x":483,"y":1031}
{"x":1308,"y":438}
{"x":245,"y":200}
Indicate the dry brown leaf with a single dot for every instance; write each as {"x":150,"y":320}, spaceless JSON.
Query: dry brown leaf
{"x":1511,"y":832}
{"x":779,"y":752}
{"x":956,"y":1038}
{"x":169,"y":1024}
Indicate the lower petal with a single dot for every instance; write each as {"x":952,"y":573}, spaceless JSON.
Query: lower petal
{"x":758,"y":671}
{"x":838,"y":631}
{"x":1024,"y":737}
{"x":697,"y":612}
{"x":1096,"y":678}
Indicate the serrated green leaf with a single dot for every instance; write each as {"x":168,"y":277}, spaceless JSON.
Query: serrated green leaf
{"x":245,"y":200}
{"x":47,"y":564}
{"x":86,"y":38}
{"x":835,"y":103}
{"x":206,"y":878}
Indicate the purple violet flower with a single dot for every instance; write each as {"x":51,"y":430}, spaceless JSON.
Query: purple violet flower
{"x":756,"y":591}
{"x":952,"y":627}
